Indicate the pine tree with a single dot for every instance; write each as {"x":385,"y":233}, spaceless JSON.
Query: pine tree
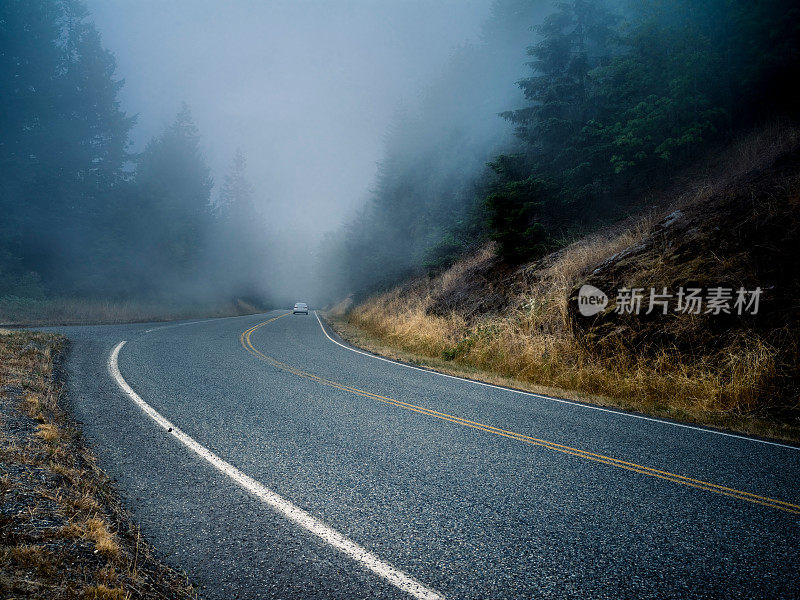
{"x":576,"y":39}
{"x":63,"y":139}
{"x":241,"y":241}
{"x":29,"y":62}
{"x":235,"y":203}
{"x":173,"y":210}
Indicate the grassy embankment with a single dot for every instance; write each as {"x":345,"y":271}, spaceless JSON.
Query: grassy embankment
{"x":516,"y":326}
{"x":63,"y":532}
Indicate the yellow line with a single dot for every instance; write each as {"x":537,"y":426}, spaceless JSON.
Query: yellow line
{"x":592,"y":456}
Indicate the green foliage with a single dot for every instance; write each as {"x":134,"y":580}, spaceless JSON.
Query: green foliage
{"x":657,"y":93}
{"x":619,"y":94}
{"x":460,"y":349}
{"x":616,"y":105}
{"x":173,"y":189}
{"x":515,"y":207}
{"x":461,"y":237}
{"x":573,"y":41}
{"x":63,"y":135}
{"x":444,"y":253}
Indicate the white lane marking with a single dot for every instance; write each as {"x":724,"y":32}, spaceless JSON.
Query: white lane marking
{"x":295,"y":514}
{"x":561,"y":400}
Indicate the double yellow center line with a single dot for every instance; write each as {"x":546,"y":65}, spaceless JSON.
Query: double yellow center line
{"x":600,"y":458}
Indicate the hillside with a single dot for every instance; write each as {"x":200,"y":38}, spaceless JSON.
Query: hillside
{"x":730,"y":223}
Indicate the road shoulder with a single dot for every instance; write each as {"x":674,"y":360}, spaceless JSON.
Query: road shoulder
{"x":63,"y":529}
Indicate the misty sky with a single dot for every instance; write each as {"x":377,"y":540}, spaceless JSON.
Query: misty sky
{"x":306,"y":89}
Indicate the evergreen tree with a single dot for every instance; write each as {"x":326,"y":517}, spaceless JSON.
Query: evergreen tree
{"x":613,"y":110}
{"x":515,"y":207}
{"x":63,"y":138}
{"x":574,"y":40}
{"x":29,"y":62}
{"x":235,"y":203}
{"x":659,"y":90}
{"x":74,"y":219}
{"x":241,"y":237}
{"x":172,"y":215}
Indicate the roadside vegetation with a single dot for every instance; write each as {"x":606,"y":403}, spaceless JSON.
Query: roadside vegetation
{"x":731,"y":220}
{"x":63,"y":531}
{"x":655,"y":146}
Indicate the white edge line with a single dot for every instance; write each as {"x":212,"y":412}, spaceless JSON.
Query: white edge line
{"x":543,"y":397}
{"x":282,"y":506}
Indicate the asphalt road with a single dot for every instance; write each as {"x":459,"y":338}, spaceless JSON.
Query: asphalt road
{"x":471,"y":491}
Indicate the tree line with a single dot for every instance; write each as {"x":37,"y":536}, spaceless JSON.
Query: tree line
{"x":80,"y":213}
{"x":618,"y":96}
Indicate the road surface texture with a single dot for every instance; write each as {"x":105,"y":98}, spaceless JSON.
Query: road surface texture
{"x":268,"y":460}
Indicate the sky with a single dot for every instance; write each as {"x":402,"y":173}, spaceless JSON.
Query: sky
{"x":307,"y":89}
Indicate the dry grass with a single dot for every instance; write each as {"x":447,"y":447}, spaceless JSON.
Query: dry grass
{"x":69,"y":531}
{"x":64,"y":533}
{"x":30,"y":556}
{"x":105,"y":542}
{"x":545,"y":301}
{"x":532,"y":344}
{"x":103,"y":592}
{"x":48,"y":432}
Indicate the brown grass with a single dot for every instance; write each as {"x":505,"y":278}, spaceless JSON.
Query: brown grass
{"x":532,"y":345}
{"x":103,"y":592}
{"x":105,"y":542}
{"x":48,"y":432}
{"x":30,"y":556}
{"x":69,"y":531}
{"x":65,"y":534}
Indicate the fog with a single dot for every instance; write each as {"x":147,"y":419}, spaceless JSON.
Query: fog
{"x":305,"y":89}
{"x":276,"y":151}
{"x":425,"y":205}
{"x":323,"y":102}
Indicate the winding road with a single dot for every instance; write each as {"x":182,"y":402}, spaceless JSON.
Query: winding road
{"x":269,"y":459}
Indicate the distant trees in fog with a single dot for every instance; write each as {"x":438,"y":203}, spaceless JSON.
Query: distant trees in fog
{"x":79,"y":213}
{"x":241,"y":239}
{"x":557,"y":120}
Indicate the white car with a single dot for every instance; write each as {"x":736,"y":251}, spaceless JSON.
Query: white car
{"x":300,"y":308}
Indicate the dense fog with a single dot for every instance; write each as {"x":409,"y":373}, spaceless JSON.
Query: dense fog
{"x":280,"y":151}
{"x":304,"y":90}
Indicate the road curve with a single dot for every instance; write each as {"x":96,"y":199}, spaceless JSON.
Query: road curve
{"x":435,"y":486}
